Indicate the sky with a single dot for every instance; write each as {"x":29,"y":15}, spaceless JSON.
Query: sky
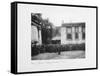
{"x":62,"y":14}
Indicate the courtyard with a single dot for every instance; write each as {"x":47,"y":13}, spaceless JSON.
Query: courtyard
{"x":63,"y":55}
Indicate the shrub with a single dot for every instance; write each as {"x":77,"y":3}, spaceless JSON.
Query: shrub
{"x":56,"y":48}
{"x":78,"y":46}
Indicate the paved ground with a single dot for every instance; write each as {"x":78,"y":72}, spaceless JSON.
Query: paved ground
{"x":64,"y":55}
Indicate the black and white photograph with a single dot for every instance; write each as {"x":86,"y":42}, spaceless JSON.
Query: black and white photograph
{"x":52,"y":41}
{"x":53,"y":37}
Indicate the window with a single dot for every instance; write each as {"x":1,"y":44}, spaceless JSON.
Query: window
{"x":76,"y":35}
{"x":83,"y":29}
{"x":83,"y":35}
{"x":83,"y":32}
{"x":69,"y":30}
{"x":69,"y":33}
{"x":69,"y":36}
{"x":76,"y":32}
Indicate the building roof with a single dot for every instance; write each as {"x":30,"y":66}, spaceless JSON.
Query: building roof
{"x":73,"y":24}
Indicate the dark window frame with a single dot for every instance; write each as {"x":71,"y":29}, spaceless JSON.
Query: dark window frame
{"x":83,"y":33}
{"x":77,"y":33}
{"x":69,"y":35}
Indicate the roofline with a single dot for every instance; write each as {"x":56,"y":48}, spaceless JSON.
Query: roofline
{"x":73,"y":24}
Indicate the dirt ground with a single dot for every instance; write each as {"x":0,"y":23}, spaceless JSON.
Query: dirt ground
{"x":64,"y":55}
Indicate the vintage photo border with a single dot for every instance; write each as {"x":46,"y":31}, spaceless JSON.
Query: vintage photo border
{"x":14,"y":35}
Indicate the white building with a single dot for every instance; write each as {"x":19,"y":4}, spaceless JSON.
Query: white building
{"x":36,"y":29}
{"x":73,"y":33}
{"x":36,"y":35}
